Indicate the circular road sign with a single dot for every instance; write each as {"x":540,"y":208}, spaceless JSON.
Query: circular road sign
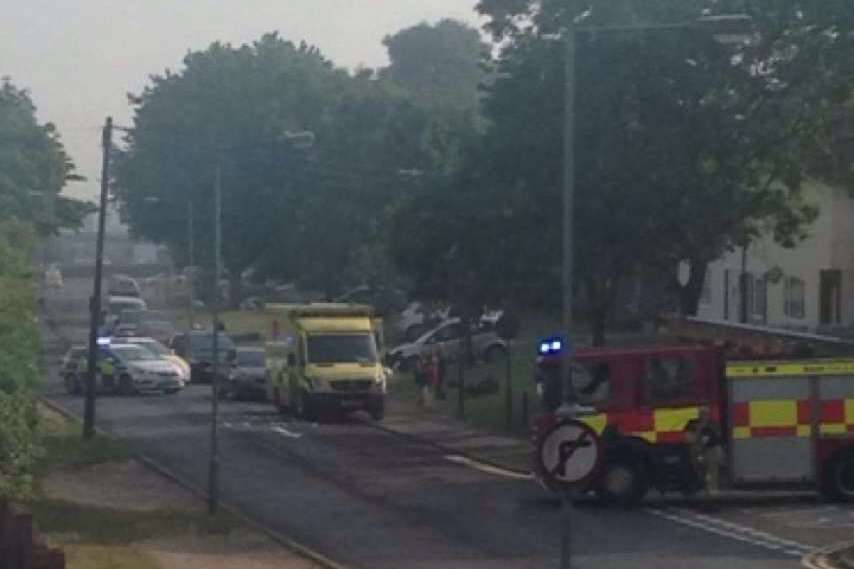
{"x":567,"y":455}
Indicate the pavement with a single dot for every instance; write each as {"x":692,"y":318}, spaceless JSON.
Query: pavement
{"x":422,"y":491}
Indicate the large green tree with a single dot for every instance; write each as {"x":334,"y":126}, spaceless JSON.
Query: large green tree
{"x":441,"y":65}
{"x":686,"y":143}
{"x":34,"y":167}
{"x":310,"y":156}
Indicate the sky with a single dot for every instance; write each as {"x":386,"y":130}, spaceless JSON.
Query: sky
{"x":79,"y":58}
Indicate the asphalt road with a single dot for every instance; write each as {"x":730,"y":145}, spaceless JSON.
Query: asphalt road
{"x":372,"y":500}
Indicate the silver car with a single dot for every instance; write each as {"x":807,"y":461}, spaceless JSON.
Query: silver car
{"x":247,"y":377}
{"x":448,"y":337}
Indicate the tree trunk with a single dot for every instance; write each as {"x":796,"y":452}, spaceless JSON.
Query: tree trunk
{"x":689,"y":295}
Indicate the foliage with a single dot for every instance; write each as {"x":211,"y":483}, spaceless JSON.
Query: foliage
{"x":441,"y":65}
{"x":293,"y":207}
{"x":34,"y":167}
{"x":18,"y":361}
{"x":685,"y":147}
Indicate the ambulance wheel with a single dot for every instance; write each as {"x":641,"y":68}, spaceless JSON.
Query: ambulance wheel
{"x":377,"y":410}
{"x":304,"y":407}
{"x":126,"y":385}
{"x":623,"y":482}
{"x":839,"y":478}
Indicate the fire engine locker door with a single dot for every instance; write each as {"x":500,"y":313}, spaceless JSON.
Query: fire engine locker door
{"x":836,"y":394}
{"x":770,"y":429}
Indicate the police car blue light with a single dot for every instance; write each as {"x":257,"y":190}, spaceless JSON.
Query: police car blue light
{"x":103,"y":341}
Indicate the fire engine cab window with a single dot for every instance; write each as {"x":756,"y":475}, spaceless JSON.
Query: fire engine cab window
{"x":592,"y":383}
{"x":669,"y":380}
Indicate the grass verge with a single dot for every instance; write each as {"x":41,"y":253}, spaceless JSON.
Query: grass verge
{"x":97,"y":537}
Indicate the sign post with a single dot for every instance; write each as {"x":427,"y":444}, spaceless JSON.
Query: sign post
{"x":567,"y":458}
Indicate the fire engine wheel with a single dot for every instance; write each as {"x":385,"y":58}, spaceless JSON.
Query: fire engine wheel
{"x":623,"y":482}
{"x":839,"y":478}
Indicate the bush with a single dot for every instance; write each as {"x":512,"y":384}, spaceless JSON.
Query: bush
{"x":19,"y":372}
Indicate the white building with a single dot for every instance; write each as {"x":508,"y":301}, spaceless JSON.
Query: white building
{"x":810,"y":287}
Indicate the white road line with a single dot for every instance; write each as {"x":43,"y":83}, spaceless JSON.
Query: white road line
{"x":487,"y":468}
{"x":733,"y":531}
{"x":285,"y":432}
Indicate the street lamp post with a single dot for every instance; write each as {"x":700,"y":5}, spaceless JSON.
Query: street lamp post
{"x":301,"y":140}
{"x":728,"y":29}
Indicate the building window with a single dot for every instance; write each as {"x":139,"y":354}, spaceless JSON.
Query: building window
{"x":793,"y":297}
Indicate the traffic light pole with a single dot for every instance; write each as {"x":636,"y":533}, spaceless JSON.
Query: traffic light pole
{"x":95,"y":300}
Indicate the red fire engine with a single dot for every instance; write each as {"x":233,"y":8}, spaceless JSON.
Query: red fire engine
{"x":779,"y":422}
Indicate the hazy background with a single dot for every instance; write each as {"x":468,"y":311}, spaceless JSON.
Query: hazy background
{"x":79,"y":58}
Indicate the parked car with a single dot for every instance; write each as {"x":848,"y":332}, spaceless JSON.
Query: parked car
{"x":69,"y":365}
{"x":163,"y":353}
{"x":198,"y":351}
{"x":152,"y":323}
{"x":135,"y":370}
{"x":486,"y":344}
{"x":247,"y":376}
{"x":117,"y":304}
{"x":123,"y":285}
{"x":416,"y":319}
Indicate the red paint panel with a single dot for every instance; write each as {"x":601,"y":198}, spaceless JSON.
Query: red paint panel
{"x":670,"y":437}
{"x":833,"y":411}
{"x":640,"y":421}
{"x":761,"y":432}
{"x":741,"y":414}
{"x":715,"y":413}
{"x":804,"y":412}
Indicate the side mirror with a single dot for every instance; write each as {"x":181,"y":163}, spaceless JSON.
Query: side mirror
{"x":292,"y":360}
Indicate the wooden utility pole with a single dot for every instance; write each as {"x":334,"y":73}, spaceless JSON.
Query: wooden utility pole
{"x":95,"y":301}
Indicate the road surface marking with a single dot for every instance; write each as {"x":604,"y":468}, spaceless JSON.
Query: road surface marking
{"x":487,"y":468}
{"x":283,"y":431}
{"x":732,"y":530}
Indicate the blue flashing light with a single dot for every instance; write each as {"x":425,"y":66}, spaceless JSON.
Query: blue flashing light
{"x":551,"y":346}
{"x":103,"y":341}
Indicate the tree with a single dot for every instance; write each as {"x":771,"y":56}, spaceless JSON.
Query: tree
{"x":290,"y":210}
{"x":685,"y":147}
{"x":442,"y":65}
{"x":34,"y":167}
{"x":721,"y":134}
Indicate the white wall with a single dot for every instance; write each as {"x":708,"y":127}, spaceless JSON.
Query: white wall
{"x":830,"y":245}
